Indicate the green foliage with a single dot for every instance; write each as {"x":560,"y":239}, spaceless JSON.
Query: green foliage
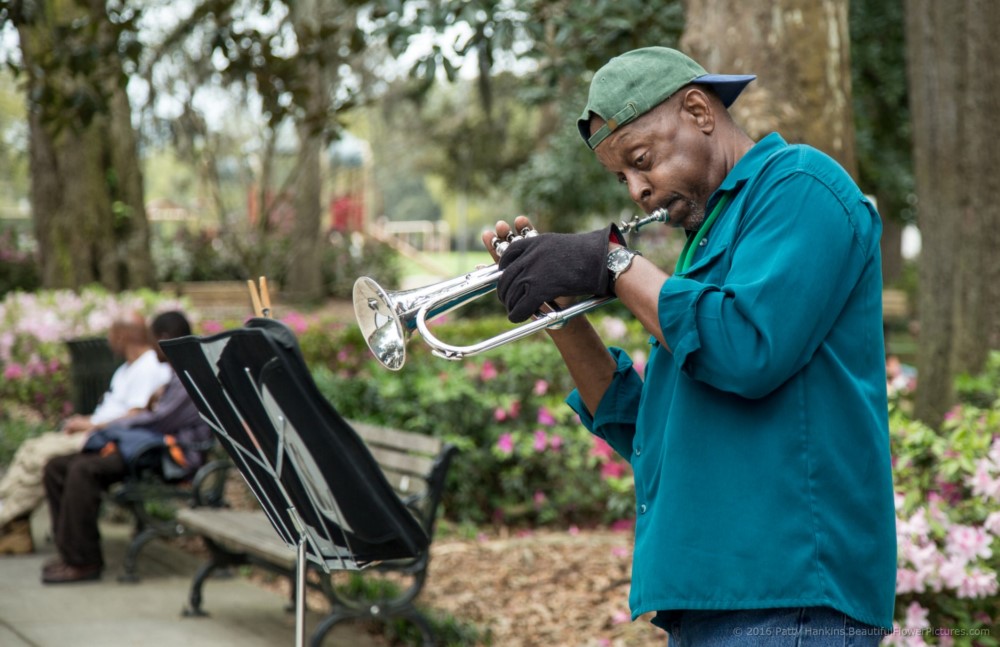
{"x":981,"y":390}
{"x":556,"y":180}
{"x":366,"y":588}
{"x":881,"y":105}
{"x":346,"y":258}
{"x":195,"y":255}
{"x":18,"y":266}
{"x":16,"y":426}
{"x":201,"y":256}
{"x":564,"y":188}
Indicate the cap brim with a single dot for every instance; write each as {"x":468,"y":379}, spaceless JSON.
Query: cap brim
{"x":727,"y":86}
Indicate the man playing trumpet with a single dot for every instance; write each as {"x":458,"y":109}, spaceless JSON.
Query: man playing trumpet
{"x":758,"y":435}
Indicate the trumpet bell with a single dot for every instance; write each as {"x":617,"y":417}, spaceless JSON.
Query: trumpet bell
{"x":381,"y":327}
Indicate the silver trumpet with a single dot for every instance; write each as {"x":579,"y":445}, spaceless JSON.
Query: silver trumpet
{"x":388,"y":318}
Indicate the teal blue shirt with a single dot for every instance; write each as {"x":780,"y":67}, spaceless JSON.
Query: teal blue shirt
{"x":759,"y":441}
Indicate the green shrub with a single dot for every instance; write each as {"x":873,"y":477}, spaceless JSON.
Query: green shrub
{"x":16,"y":426}
{"x":525,"y":458}
{"x":18,"y":265}
{"x":346,"y":258}
{"x":948,"y":523}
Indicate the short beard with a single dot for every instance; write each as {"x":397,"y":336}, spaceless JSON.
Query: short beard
{"x":695,"y":218}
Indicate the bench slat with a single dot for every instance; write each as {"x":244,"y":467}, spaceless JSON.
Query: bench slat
{"x":375,"y":435}
{"x":400,"y":462}
{"x":241,"y":531}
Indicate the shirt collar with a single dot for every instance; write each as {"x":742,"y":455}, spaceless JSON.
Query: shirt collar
{"x":751,"y":163}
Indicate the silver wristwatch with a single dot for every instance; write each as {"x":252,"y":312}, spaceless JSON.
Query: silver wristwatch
{"x":619,"y":260}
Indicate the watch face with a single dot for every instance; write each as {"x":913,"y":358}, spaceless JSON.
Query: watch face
{"x":619,"y":259}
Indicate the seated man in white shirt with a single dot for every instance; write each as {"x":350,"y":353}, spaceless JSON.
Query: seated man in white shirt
{"x":132,"y":386}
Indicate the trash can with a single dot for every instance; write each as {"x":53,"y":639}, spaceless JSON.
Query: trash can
{"x":91,"y":366}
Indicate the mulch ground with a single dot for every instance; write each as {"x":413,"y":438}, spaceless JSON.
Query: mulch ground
{"x":545,"y":588}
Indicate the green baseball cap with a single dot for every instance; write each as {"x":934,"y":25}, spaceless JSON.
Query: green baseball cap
{"x":634,"y":83}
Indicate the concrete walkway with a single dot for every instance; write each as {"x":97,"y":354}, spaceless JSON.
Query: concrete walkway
{"x":112,"y":614}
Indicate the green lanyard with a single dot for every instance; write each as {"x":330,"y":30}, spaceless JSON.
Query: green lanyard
{"x":687,"y":254}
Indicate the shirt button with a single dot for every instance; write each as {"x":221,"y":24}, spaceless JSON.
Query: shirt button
{"x":642,"y":509}
{"x":704,"y":241}
{"x":638,"y":451}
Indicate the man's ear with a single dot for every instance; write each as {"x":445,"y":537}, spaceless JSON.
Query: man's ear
{"x":697,"y":104}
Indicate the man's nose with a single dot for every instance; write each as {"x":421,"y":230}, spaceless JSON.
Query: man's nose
{"x":638,"y":189}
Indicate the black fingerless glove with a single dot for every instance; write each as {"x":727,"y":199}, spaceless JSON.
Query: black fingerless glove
{"x":547,"y":266}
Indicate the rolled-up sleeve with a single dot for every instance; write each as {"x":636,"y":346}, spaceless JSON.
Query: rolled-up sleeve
{"x":616,"y":414}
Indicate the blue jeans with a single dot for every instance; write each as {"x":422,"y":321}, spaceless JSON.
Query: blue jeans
{"x":795,"y":627}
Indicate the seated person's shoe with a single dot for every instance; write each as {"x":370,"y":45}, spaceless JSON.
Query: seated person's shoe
{"x":15,"y":538}
{"x":52,"y":563}
{"x":67,"y":573}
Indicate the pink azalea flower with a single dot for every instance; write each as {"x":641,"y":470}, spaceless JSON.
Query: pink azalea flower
{"x":983,"y":483}
{"x":556,"y":443}
{"x":969,"y":542}
{"x":639,"y":362}
{"x":916,"y":617}
{"x":296,"y":321}
{"x":539,"y":498}
{"x":622,"y":525}
{"x":499,"y":414}
{"x":13,"y":371}
{"x":620,"y":617}
{"x":506,"y":443}
{"x":573,"y":531}
{"x":488,"y":371}
{"x":907,"y":581}
{"x":541,"y":387}
{"x":211,"y":326}
{"x":612,"y":470}
{"x":541,"y":440}
{"x":545,"y":417}
{"x":601,"y":449}
{"x":992,"y":523}
{"x":515,"y":409}
{"x":978,"y":584}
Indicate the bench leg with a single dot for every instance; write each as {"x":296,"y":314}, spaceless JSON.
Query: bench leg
{"x":130,"y":573}
{"x":194,"y":598}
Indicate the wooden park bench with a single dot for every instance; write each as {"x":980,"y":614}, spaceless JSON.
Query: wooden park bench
{"x":415,"y":465}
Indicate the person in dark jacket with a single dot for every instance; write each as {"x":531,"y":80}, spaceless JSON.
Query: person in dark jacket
{"x":74,"y":483}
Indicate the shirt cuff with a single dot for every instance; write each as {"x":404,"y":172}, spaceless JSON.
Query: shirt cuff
{"x":678,"y":315}
{"x":616,"y":414}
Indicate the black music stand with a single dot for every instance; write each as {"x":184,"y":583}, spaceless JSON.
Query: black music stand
{"x":314,"y":477}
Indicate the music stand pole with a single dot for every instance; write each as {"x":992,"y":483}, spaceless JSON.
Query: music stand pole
{"x":300,"y":580}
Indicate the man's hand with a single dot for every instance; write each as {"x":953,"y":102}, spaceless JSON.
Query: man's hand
{"x":76,"y":424}
{"x":543,"y":268}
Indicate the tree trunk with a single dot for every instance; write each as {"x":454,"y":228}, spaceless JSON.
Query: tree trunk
{"x":799,"y":50}
{"x":86,"y":194}
{"x":953,"y":92}
{"x":305,"y":273}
